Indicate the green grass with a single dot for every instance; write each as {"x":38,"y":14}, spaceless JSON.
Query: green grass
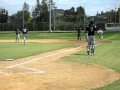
{"x":113,"y":86}
{"x":41,"y":35}
{"x":62,"y":35}
{"x":66,"y":36}
{"x":14,"y":50}
{"x":112,"y":36}
{"x":44,"y":35}
{"x":7,"y":36}
{"x":107,"y":55}
{"x":18,"y":50}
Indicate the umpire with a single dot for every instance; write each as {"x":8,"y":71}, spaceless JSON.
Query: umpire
{"x":17,"y":35}
{"x":91,"y":29}
{"x":78,"y":29}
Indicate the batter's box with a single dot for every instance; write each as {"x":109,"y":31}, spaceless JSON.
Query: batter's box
{"x":21,"y":70}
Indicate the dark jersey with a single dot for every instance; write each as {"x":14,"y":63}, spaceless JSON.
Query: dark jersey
{"x":17,"y":31}
{"x":91,"y":29}
{"x":25,"y":31}
{"x":78,"y":30}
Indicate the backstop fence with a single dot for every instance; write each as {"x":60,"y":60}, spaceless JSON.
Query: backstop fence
{"x":41,"y":26}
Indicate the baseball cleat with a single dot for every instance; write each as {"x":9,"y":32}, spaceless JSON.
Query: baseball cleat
{"x":88,"y":52}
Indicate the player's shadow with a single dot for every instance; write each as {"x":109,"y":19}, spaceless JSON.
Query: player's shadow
{"x":81,"y":54}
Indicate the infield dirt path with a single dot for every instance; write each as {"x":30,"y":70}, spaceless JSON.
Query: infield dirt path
{"x":47,"y":72}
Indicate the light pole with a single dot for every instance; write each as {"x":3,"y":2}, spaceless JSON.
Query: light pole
{"x":23,"y":14}
{"x":84,"y":17}
{"x":110,"y":16}
{"x":50,"y":5}
{"x":115,"y":14}
{"x":54,"y":16}
{"x":24,"y":8}
{"x":119,"y":13}
{"x":34,"y":17}
{"x":23,"y":17}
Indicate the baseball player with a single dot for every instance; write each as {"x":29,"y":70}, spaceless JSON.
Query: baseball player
{"x":25,"y":31}
{"x":86,"y":34}
{"x":91,"y":29}
{"x":17,"y":35}
{"x":100,"y":32}
{"x":78,"y":33}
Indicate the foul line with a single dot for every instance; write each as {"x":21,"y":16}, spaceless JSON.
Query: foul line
{"x":1,"y":71}
{"x":34,"y":71}
{"x":31,"y":71}
{"x":12,"y":66}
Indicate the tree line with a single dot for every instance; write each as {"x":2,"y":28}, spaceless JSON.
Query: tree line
{"x":39,"y":17}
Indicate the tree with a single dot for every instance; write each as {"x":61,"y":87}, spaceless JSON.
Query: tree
{"x":44,"y":11}
{"x":43,"y":1}
{"x":12,"y":18}
{"x":77,"y":16}
{"x":25,"y":6}
{"x":36,"y":11}
{"x":18,"y":17}
{"x":26,"y":12}
{"x":69,"y":15}
{"x":3,"y":15}
{"x":40,"y":12}
{"x":119,"y":14}
{"x":80,"y":14}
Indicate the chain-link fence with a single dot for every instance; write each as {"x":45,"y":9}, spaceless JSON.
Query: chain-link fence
{"x":42,"y":26}
{"x":31,"y":26}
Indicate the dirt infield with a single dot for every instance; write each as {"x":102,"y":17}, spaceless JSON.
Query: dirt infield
{"x":47,"y":72}
{"x":43,"y":41}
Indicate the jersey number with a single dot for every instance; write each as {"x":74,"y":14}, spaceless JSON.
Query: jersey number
{"x":91,"y":29}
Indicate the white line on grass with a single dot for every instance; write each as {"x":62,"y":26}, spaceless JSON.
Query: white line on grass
{"x":12,"y":66}
{"x":9,"y":59}
{"x":31,"y":73}
{"x":1,"y":71}
{"x":34,"y":71}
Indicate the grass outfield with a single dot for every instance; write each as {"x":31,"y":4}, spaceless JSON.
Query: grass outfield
{"x":113,"y":86}
{"x":18,"y":50}
{"x":41,"y":35}
{"x":107,"y":55}
{"x":62,"y":35}
{"x":14,"y":50}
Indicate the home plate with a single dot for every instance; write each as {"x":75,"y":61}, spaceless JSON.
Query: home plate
{"x":40,"y":72}
{"x":9,"y":59}
{"x":1,"y":71}
{"x":22,"y":70}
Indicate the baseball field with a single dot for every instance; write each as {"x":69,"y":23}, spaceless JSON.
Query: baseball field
{"x":58,"y":61}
